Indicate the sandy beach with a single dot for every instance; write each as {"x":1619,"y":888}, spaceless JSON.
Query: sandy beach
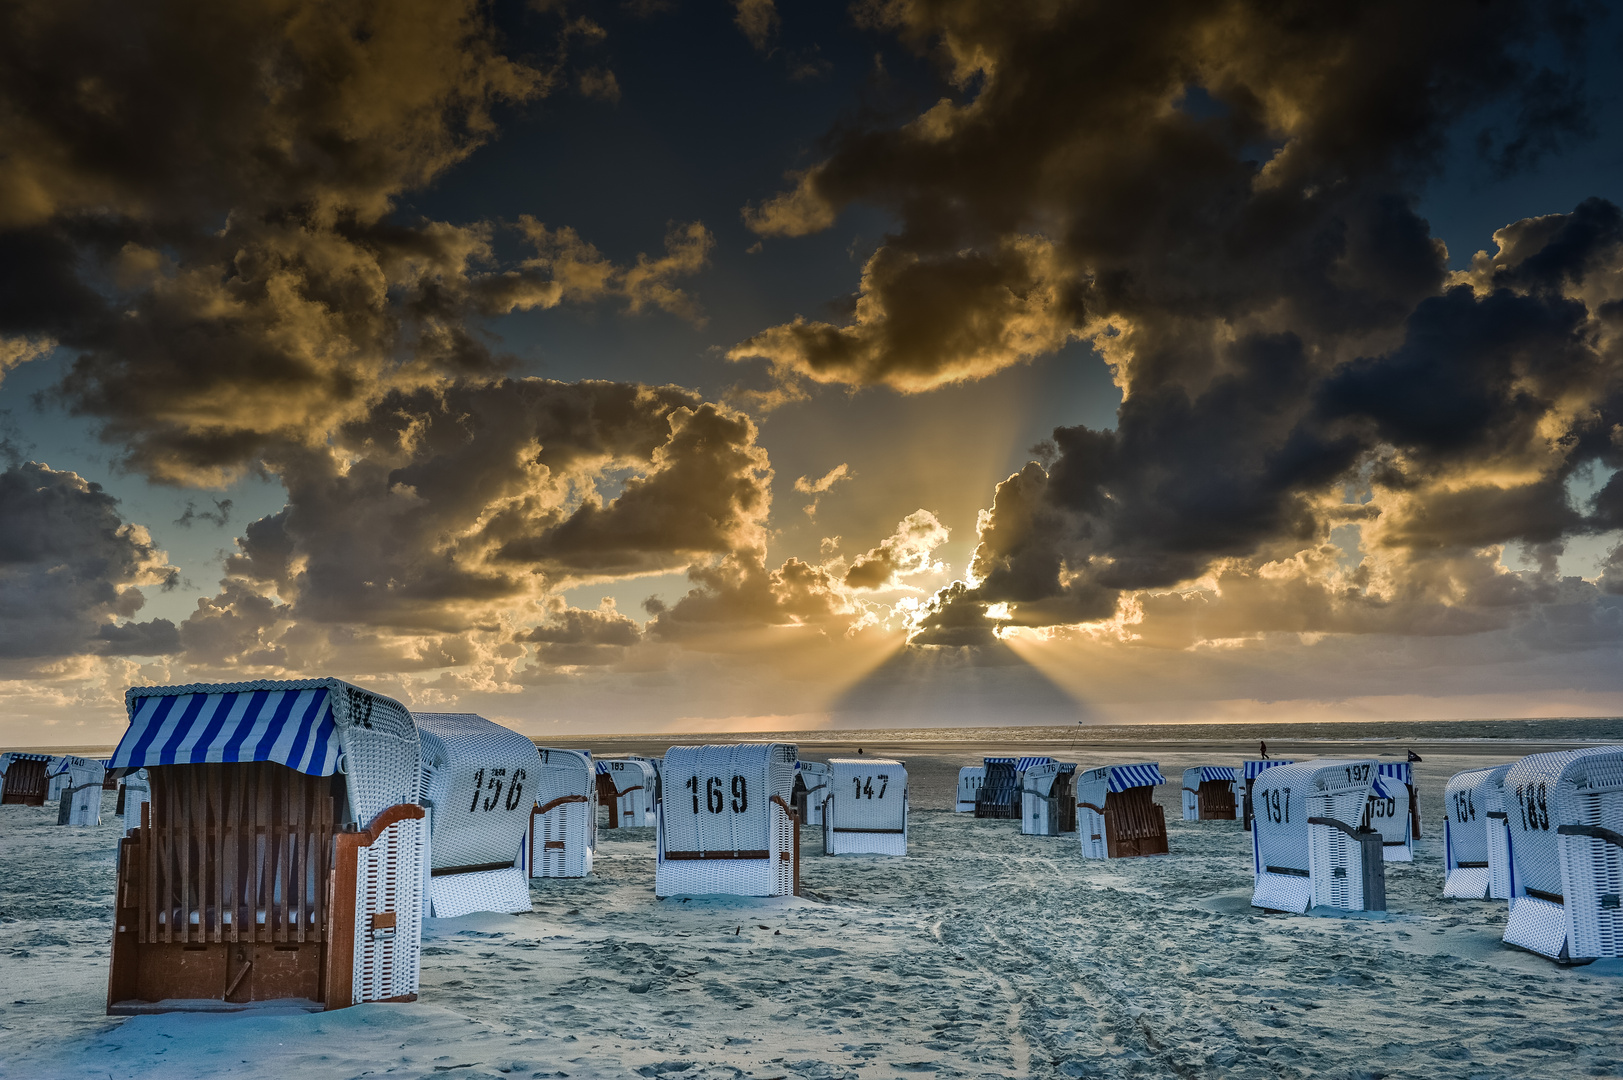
{"x":983,"y":953}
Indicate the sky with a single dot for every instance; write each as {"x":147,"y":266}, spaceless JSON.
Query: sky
{"x":667,"y":366}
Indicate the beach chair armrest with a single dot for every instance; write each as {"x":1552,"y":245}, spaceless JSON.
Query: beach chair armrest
{"x":1337,"y":824}
{"x":1595,"y":831}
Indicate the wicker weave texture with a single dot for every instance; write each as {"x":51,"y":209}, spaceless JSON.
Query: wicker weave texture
{"x":389,"y":881}
{"x":1539,"y":926}
{"x":654,"y":763}
{"x":815,"y":774}
{"x":503,"y":891}
{"x":78,"y":783}
{"x":866,"y":810}
{"x":563,"y":839}
{"x":1335,"y":860}
{"x":719,"y":806}
{"x":1090,"y":829}
{"x":137,"y":792}
{"x":1501,"y":862}
{"x":716,"y":798}
{"x":1284,"y":797}
{"x":1048,"y":800}
{"x":382,"y":755}
{"x":1278,"y":892}
{"x":634,"y":782}
{"x":970,"y":779}
{"x":1390,"y":817}
{"x":1590,"y":795}
{"x":478,"y":785}
{"x":1538,"y":794}
{"x":1191,"y":794}
{"x":81,"y":805}
{"x":1467,"y":861}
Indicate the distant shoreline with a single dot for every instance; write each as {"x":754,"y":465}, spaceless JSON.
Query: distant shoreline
{"x":1550,"y":731}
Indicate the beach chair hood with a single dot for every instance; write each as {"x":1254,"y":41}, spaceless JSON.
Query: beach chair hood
{"x":866,"y":812}
{"x":478,"y":785}
{"x":1291,"y":872}
{"x":725,"y":821}
{"x":563,"y":823}
{"x":1564,"y":812}
{"x":1256,"y":767}
{"x":1093,"y":785}
{"x":318,"y":727}
{"x":1470,"y":835}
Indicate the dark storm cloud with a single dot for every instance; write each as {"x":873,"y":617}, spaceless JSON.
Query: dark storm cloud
{"x":193,"y":196}
{"x":1463,"y":437}
{"x":575,"y":637}
{"x":440,"y":506}
{"x":1164,"y":167}
{"x":70,"y":566}
{"x":1220,"y":199}
{"x":740,"y":593}
{"x":177,"y":112}
{"x":195,"y":202}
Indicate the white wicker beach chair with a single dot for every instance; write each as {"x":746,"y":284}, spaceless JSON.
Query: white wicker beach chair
{"x":1191,"y":794}
{"x":970,"y":779}
{"x":654,"y":764}
{"x":626,"y":786}
{"x":1309,"y":847}
{"x":1565,"y":815}
{"x":1250,"y":769}
{"x":478,"y":788}
{"x":1392,"y":814}
{"x":1208,"y":793}
{"x":281,"y":856}
{"x":1117,"y":816}
{"x":1048,"y":799}
{"x":865,"y":812}
{"x":811,"y":790}
{"x":24,"y":778}
{"x":563,"y":824}
{"x":1470,"y":835}
{"x":134,"y":792}
{"x":725,"y":821}
{"x":78,"y":784}
{"x":55,"y":780}
{"x":1501,"y":863}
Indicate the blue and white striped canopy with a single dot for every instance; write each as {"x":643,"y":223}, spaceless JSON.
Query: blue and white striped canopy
{"x":1067,"y":766}
{"x":292,"y":727}
{"x":1254,"y":769}
{"x":1123,"y":777}
{"x":1216,"y":772}
{"x":997,"y":761}
{"x":1027,"y":762}
{"x":603,"y":767}
{"x":1401,"y":771}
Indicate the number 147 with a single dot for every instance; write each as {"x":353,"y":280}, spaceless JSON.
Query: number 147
{"x":864,"y":785}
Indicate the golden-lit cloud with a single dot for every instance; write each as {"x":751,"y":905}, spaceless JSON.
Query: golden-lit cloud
{"x":820,"y":486}
{"x":919,"y":324}
{"x":904,"y":553}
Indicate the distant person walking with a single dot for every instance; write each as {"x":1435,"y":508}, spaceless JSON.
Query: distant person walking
{"x":1262,"y":748}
